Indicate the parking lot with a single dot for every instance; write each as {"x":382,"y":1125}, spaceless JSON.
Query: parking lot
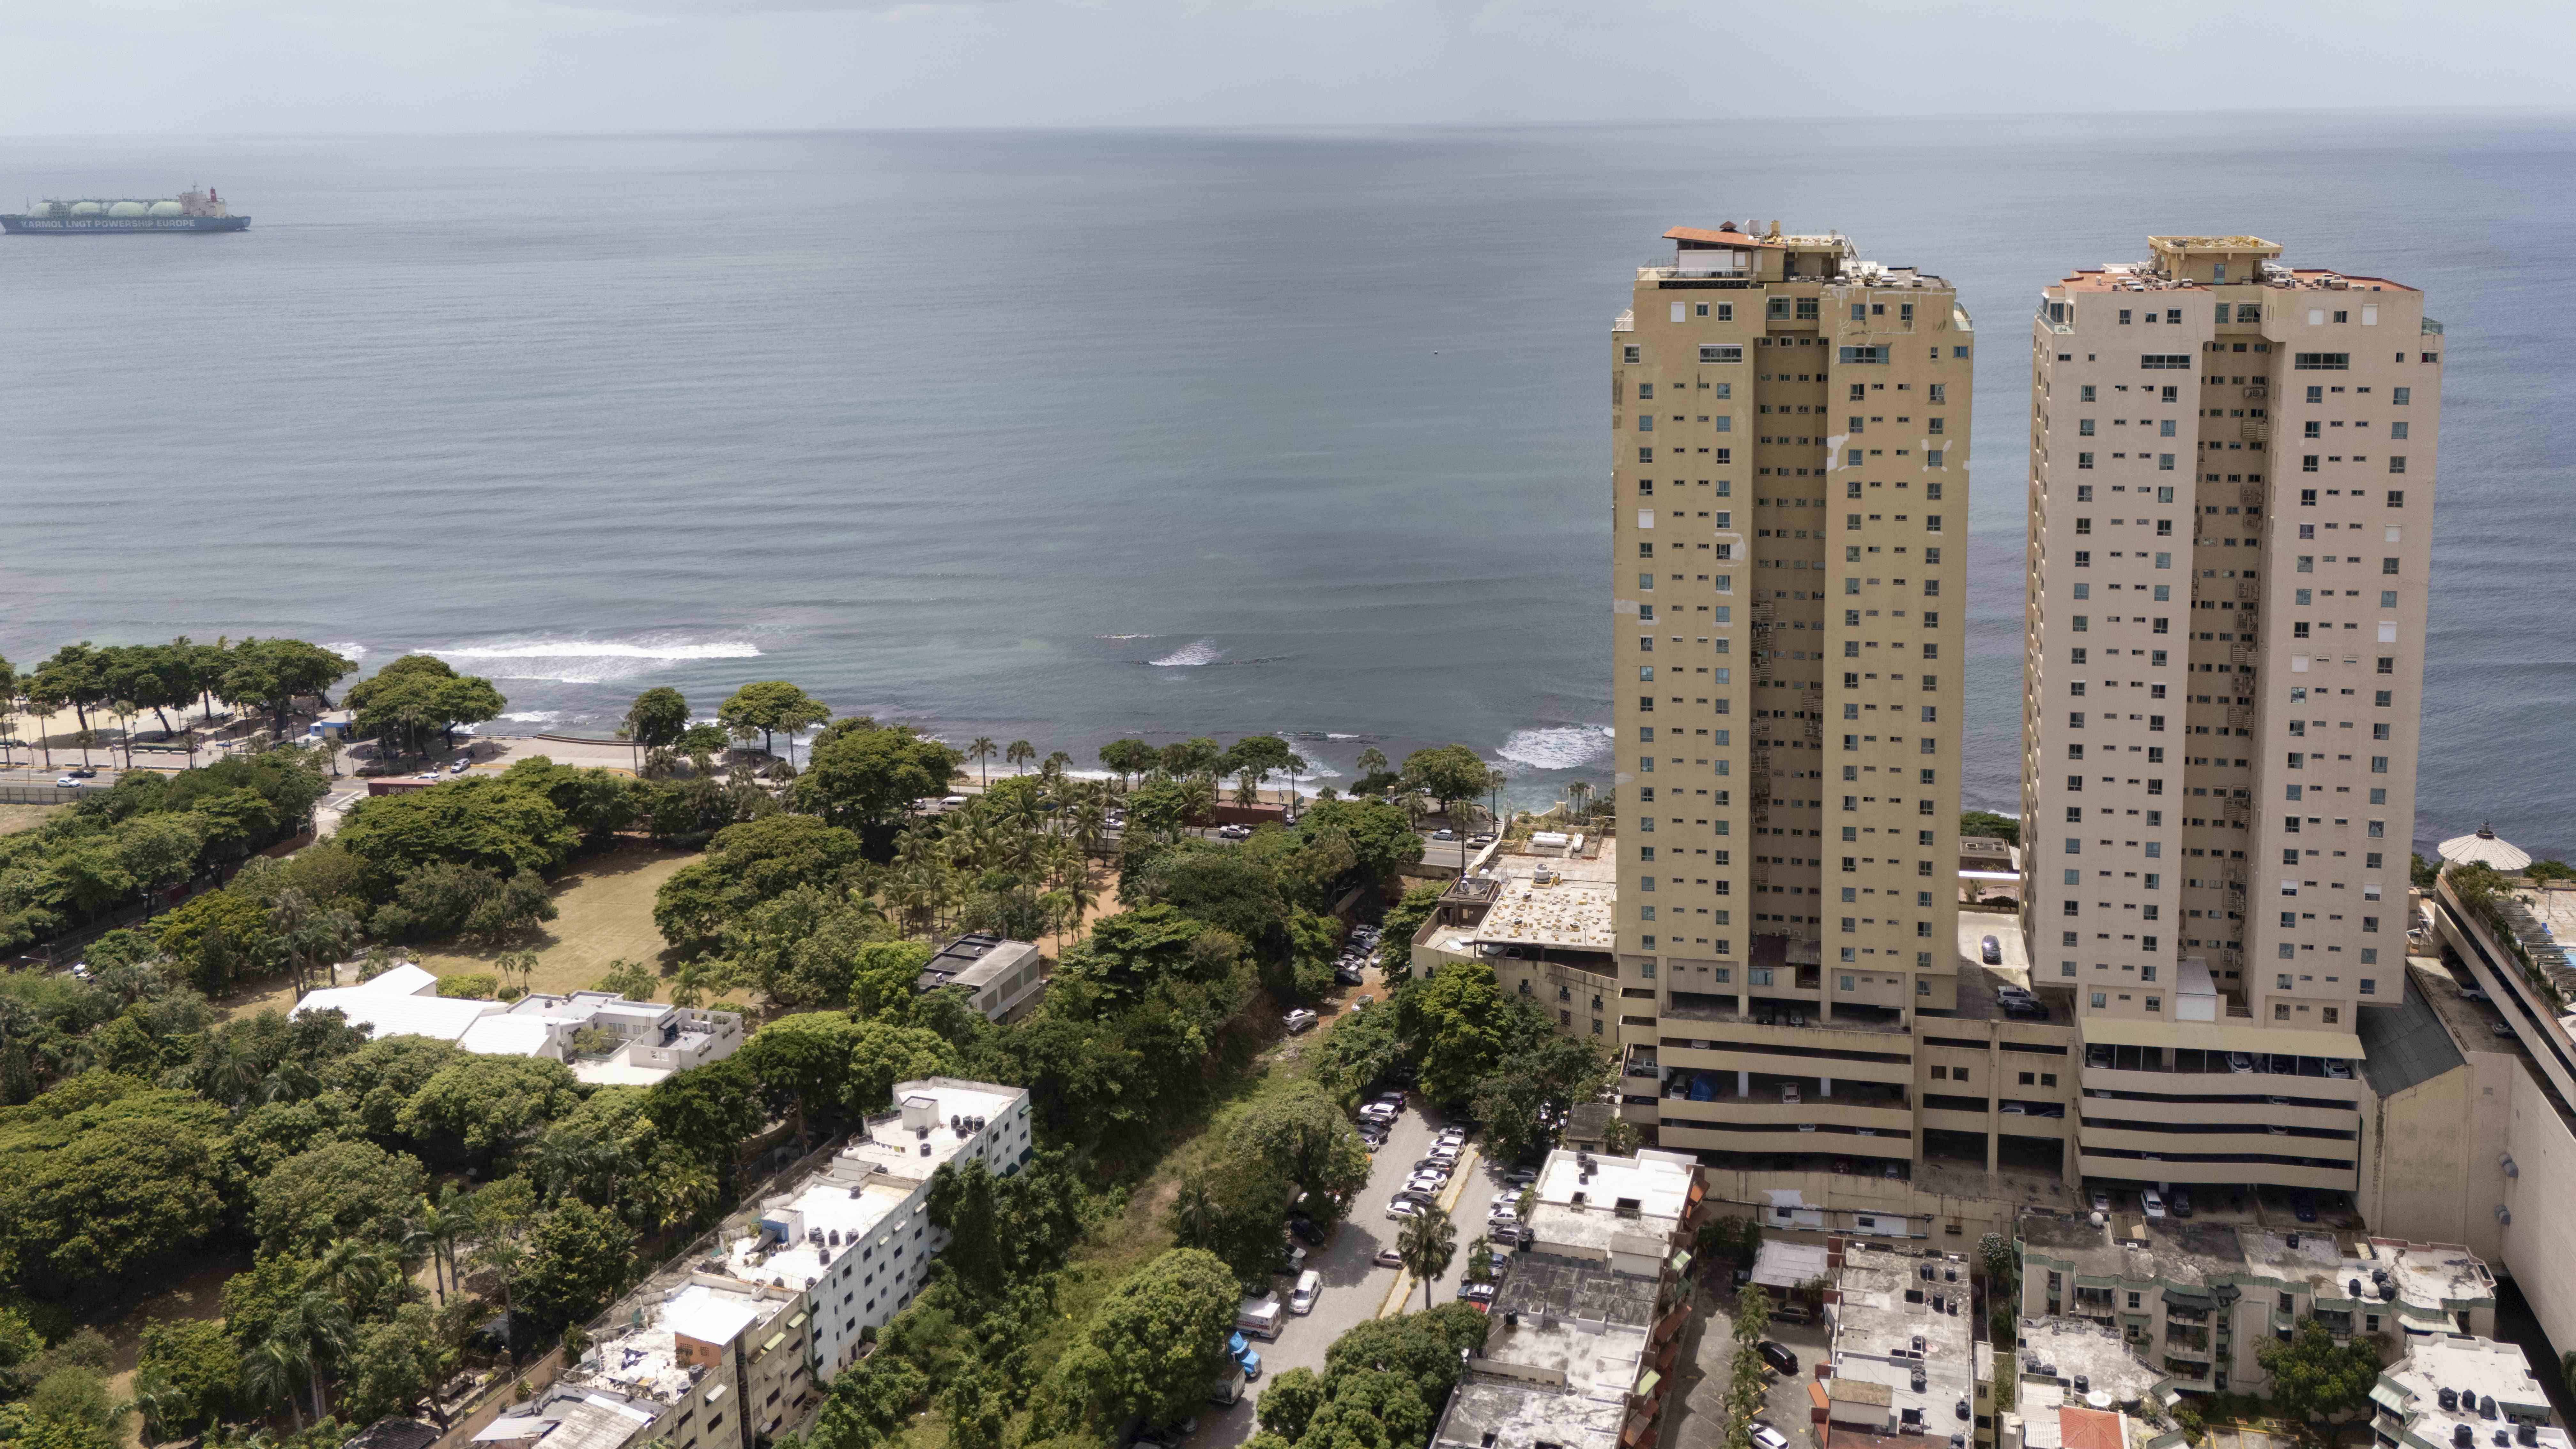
{"x":1711,"y":1368}
{"x":1355,"y":1287}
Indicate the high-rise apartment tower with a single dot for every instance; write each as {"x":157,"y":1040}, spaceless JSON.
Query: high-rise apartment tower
{"x":2231,"y":506}
{"x":1789,"y":519}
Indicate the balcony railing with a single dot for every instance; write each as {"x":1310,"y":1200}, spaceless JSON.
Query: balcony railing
{"x":2432,"y":328}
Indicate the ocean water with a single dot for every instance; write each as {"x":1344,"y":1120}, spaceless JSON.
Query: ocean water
{"x":1069,"y":435}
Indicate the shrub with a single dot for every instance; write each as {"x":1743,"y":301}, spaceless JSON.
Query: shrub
{"x":473,"y":986}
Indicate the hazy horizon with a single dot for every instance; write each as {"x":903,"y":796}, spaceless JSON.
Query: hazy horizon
{"x":269,"y":67}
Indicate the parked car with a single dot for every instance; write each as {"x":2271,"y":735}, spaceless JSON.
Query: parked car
{"x":1444,"y":834}
{"x":1304,"y":1227}
{"x":1310,"y":1286}
{"x":2240,"y":1062}
{"x":1992,"y":951}
{"x":1479,"y":1294}
{"x":1440,"y":1165}
{"x":1292,"y":1258}
{"x":953,"y":801}
{"x":1348,"y":975}
{"x":2151,"y":1203}
{"x":2101,"y":1200}
{"x":1301,"y":1019}
{"x":1521,"y":1177}
{"x":1777,"y":1356}
{"x":1240,"y":1349}
{"x":1404,"y":1207}
{"x":2180,"y":1203}
{"x":1234,"y":832}
{"x":2303,"y":1205}
{"x":1766,"y":1437}
{"x":1388,"y":1257}
{"x":1452,"y":1135}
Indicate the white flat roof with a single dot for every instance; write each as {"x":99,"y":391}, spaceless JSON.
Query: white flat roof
{"x":387,"y":1013}
{"x":504,"y":1035}
{"x":826,"y":1201}
{"x":711,"y":1315}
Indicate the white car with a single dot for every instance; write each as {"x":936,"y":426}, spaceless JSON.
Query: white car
{"x":1404,"y":1207}
{"x":2151,"y":1203}
{"x":1300,"y":1019}
{"x":953,"y":801}
{"x":1766,"y":1437}
{"x":1310,"y":1286}
{"x":67,"y":783}
{"x":1234,"y":832}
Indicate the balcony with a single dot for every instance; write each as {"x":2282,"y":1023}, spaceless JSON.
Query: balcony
{"x":2432,"y":328}
{"x":1626,"y":322}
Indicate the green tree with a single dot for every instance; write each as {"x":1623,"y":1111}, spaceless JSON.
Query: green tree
{"x":861,"y":774}
{"x":746,"y":864}
{"x":334,"y":1193}
{"x":837,"y":1068}
{"x":1426,"y":1243}
{"x":1129,"y":758}
{"x":657,"y":718}
{"x":1150,"y":1348}
{"x":417,"y":696}
{"x":187,"y":1376}
{"x":1465,"y":1026}
{"x":1449,"y":773}
{"x":1989,"y":824}
{"x":630,"y":979}
{"x":91,"y":1191}
{"x":1019,"y":753}
{"x":2314,"y":1378}
{"x":1256,"y":758}
{"x":485,"y":1107}
{"x":1381,"y":839}
{"x":1541,"y":1080}
{"x":1199,"y":756}
{"x":396,"y":1364}
{"x":485,"y":821}
{"x":1745,"y":1394}
{"x":769,"y":708}
{"x":884,"y":977}
{"x":273,"y":673}
{"x":578,"y":1257}
{"x":219,"y":938}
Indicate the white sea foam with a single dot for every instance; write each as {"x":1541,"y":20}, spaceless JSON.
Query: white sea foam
{"x":587,"y":661}
{"x":1191,"y":656}
{"x":1122,"y":636}
{"x":1328,"y":734}
{"x":348,"y":649}
{"x":1556,"y":747}
{"x":535,"y":716}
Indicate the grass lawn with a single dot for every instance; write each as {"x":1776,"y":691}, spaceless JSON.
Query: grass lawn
{"x":606,"y":915}
{"x":14,"y":818}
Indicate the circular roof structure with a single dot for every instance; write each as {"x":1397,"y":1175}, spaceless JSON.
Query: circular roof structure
{"x":167,"y":208}
{"x":2485,"y":848}
{"x":85,"y":208}
{"x":125,"y":208}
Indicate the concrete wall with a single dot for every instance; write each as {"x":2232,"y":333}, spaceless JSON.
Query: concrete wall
{"x":2539,"y":1245}
{"x":2429,"y":1165}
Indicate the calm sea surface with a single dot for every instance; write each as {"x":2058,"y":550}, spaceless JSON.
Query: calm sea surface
{"x":1066,"y":435}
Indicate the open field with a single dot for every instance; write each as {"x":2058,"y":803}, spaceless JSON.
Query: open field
{"x":607,"y":916}
{"x":14,"y":818}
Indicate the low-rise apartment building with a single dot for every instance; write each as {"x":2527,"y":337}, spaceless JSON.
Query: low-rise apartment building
{"x":853,"y":1237}
{"x":1587,"y":1323}
{"x":1903,"y":1350}
{"x":2462,"y":1392}
{"x":1003,"y":978}
{"x":2194,"y":1299}
{"x":714,"y":1363}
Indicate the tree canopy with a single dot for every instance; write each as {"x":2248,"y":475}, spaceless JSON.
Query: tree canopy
{"x":862,"y":774}
{"x":416,"y":697}
{"x":1151,"y":1348}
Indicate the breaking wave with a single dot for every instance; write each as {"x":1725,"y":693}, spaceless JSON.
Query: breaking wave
{"x":1190,"y":656}
{"x":587,"y":661}
{"x":1556,"y":747}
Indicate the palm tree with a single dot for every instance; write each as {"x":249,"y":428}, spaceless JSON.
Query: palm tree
{"x":1020,"y":753}
{"x":1427,"y":1243}
{"x":1056,"y":764}
{"x":509,"y":1263}
{"x":1198,"y":798}
{"x":1372,"y":761}
{"x":1578,"y":800}
{"x":434,"y":1229}
{"x":314,"y":1330}
{"x":1296,"y":766}
{"x":271,"y":1371}
{"x":1090,"y":825}
{"x":981,"y":752}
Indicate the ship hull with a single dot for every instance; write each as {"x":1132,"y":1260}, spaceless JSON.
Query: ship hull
{"x":118,"y":225}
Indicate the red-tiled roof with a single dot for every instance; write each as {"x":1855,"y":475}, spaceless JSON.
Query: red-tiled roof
{"x":2089,"y":1429}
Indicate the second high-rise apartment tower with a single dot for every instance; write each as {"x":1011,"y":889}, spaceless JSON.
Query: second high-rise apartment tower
{"x":1789,"y":531}
{"x":2231,"y":503}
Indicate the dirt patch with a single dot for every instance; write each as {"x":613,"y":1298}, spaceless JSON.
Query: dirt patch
{"x":606,"y":915}
{"x":14,"y":818}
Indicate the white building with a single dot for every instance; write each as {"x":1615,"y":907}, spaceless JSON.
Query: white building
{"x":2455,"y":1392}
{"x":1003,"y":978}
{"x":855,"y":1235}
{"x":606,"y":1039}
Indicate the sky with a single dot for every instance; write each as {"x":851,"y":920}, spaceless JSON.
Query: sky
{"x":90,"y":67}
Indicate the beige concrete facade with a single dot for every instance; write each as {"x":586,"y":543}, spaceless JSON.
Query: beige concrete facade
{"x":1789,"y":501}
{"x":2231,"y":492}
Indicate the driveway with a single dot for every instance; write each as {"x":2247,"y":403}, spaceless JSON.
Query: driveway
{"x":1355,"y":1288}
{"x":1708,"y":1371}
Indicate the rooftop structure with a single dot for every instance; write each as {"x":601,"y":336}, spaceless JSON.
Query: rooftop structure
{"x":572,"y":1418}
{"x":1623,"y":1210}
{"x":2462,"y":1393}
{"x":1536,"y":901}
{"x":1570,"y":1359}
{"x":2070,"y":1360}
{"x":1902,"y":1325}
{"x":853,"y":1235}
{"x":605,"y":1038}
{"x":664,"y":1339}
{"x":1002,"y":977}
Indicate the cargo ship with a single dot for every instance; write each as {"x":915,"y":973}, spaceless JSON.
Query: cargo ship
{"x":193,"y":210}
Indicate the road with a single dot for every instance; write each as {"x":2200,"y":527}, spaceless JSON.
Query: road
{"x":1355,"y":1288}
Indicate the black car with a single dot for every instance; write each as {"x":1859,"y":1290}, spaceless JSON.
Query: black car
{"x":1348,"y":976}
{"x":2179,"y":1204}
{"x":1778,"y":1357}
{"x":1306,"y":1231}
{"x":2303,"y":1205}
